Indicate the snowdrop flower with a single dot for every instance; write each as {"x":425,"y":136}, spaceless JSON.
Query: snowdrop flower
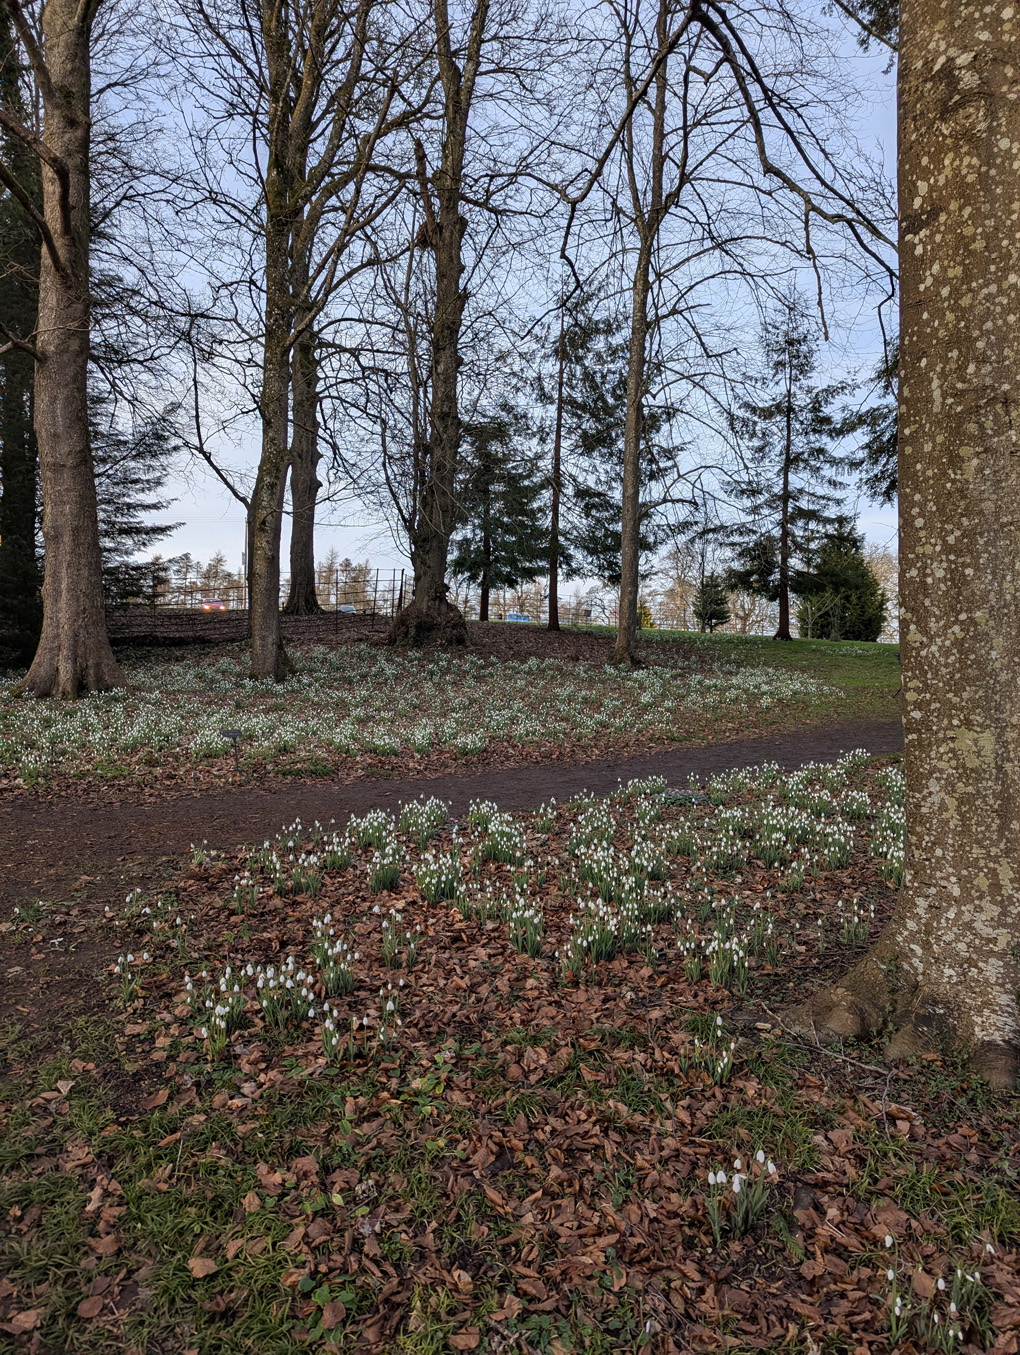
{"x":720,"y":1178}
{"x":737,"y":1164}
{"x":711,"y":1178}
{"x":989,"y":1249}
{"x":952,"y":1310}
{"x":759,"y":1156}
{"x":941,"y":1283}
{"x":771,"y":1168}
{"x":890,"y":1275}
{"x":888,"y":1239}
{"x":737,"y":1181}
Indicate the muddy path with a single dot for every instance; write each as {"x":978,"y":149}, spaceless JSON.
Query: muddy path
{"x":62,"y":846}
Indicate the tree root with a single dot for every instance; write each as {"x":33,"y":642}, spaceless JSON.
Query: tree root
{"x":854,"y":1008}
{"x":867,"y":1000}
{"x":419,"y":625}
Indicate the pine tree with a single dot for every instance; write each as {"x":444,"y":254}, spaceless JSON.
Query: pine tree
{"x":876,"y":459}
{"x":710,"y":606}
{"x":132,"y":464}
{"x":501,"y":539}
{"x":594,"y":400}
{"x":841,"y":599}
{"x":20,"y":574}
{"x":788,"y":478}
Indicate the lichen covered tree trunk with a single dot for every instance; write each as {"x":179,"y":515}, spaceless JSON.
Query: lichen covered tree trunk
{"x":74,"y":650}
{"x":946,"y":967}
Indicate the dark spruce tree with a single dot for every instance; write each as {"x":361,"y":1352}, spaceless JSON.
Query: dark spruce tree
{"x":133,"y":458}
{"x":789,"y":476}
{"x":593,"y":401}
{"x":710,"y":603}
{"x":501,"y":538}
{"x":876,"y":459}
{"x":20,"y":571}
{"x":840,"y":597}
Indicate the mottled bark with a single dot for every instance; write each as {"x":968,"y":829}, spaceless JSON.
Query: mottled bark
{"x":302,"y":599}
{"x":74,"y":649}
{"x":946,"y":968}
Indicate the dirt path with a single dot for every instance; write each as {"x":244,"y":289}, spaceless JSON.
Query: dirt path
{"x":49,"y":846}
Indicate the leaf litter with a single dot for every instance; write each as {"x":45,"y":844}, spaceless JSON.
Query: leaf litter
{"x":603,"y":1140}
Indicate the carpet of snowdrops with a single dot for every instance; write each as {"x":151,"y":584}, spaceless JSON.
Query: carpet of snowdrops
{"x":673,"y":876}
{"x":514,"y":1083}
{"x":359,"y":700}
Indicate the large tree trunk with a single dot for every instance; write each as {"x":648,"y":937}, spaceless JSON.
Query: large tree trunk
{"x":302,"y":599}
{"x":430,"y":616}
{"x":265,"y":519}
{"x":74,"y":649}
{"x":20,"y":573}
{"x":947,"y":963}
{"x":266,"y":515}
{"x":556,"y":486}
{"x":630,"y":519}
{"x":267,"y":656}
{"x":783,"y":629}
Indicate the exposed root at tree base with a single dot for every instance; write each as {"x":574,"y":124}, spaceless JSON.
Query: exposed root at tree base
{"x":52,"y":676}
{"x":866,"y":1000}
{"x":624,"y":658}
{"x":440,"y":624}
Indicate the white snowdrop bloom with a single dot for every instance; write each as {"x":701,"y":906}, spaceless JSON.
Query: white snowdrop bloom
{"x":989,"y":1249}
{"x":759,"y":1156}
{"x":720,"y":1178}
{"x":711,"y":1178}
{"x":771,"y":1168}
{"x":737,"y":1183}
{"x":941,"y":1283}
{"x":890,"y":1275}
{"x":738,"y":1166}
{"x":888,"y":1239}
{"x":952,"y":1309}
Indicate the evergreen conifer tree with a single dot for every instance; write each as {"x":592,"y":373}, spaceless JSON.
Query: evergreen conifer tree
{"x":132,"y":463}
{"x":710,"y":604}
{"x":841,"y":599}
{"x":20,"y":573}
{"x":788,"y":479}
{"x":502,"y":537}
{"x":876,"y":459}
{"x":594,"y":402}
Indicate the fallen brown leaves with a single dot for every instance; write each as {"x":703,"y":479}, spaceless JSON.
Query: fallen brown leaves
{"x":528,"y":1161}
